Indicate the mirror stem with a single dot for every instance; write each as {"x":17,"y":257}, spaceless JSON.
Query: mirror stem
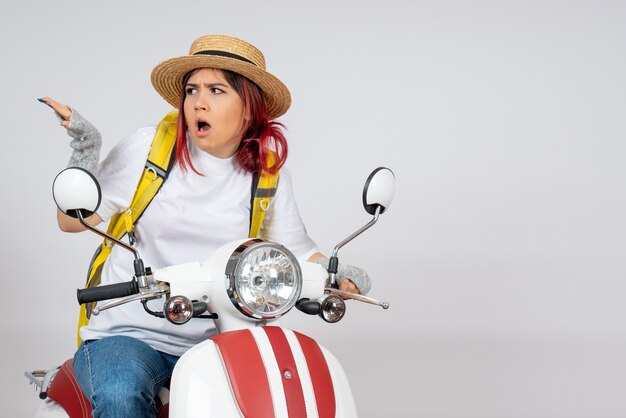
{"x":333,"y":262}
{"x":140,"y":270}
{"x":103,"y":235}
{"x":358,"y":232}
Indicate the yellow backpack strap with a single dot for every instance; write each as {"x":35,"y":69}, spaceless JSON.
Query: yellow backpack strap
{"x":263,"y":190}
{"x":158,"y":165}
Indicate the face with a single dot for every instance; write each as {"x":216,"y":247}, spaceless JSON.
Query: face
{"x":214,"y":113}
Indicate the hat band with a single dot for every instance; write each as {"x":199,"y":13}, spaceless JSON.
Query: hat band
{"x":224,"y":54}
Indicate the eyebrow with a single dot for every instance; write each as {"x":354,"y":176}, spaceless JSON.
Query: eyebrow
{"x":207,"y":85}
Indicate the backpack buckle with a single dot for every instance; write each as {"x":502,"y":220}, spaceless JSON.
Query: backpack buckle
{"x":153,"y":171}
{"x":131,"y":237}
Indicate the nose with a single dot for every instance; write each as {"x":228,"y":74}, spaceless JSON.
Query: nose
{"x":201,"y":101}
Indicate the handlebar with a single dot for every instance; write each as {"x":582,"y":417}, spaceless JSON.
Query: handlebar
{"x":110,"y":291}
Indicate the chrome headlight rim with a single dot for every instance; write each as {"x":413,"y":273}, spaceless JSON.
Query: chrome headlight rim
{"x":235,"y":261}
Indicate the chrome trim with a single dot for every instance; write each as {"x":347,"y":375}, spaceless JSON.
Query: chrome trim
{"x":232,"y":267}
{"x":121,"y":243}
{"x":333,"y":276}
{"x":41,"y":379}
{"x":356,"y":296}
{"x":153,"y":293}
{"x":357,"y":232}
{"x":167,"y":308}
{"x":326,"y":308}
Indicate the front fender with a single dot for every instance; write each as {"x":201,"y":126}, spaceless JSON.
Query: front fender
{"x":265,"y":371}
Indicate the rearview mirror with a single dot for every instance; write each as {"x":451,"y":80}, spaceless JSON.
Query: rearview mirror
{"x":379,"y":190}
{"x":76,"y":189}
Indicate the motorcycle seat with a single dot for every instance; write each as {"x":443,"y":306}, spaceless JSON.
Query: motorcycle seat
{"x":65,"y":391}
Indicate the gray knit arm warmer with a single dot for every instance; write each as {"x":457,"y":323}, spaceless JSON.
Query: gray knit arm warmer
{"x":86,"y":143}
{"x":345,"y":271}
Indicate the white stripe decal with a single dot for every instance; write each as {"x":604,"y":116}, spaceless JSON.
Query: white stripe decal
{"x":303,"y":371}
{"x":273,"y":372}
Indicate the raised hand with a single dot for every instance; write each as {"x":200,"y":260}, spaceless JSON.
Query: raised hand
{"x":62,"y":111}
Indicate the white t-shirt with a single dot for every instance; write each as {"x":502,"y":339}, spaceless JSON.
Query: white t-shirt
{"x":187,"y":221}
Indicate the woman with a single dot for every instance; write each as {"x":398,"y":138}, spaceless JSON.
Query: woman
{"x":227,"y":105}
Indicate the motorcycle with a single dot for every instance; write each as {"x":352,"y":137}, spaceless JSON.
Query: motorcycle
{"x":253,"y":367}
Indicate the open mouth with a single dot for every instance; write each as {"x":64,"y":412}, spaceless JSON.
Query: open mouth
{"x":203,"y":126}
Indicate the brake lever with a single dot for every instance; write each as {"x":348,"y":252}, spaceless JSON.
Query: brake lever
{"x":356,"y":296}
{"x":153,"y":292}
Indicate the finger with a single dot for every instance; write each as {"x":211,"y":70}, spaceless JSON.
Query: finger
{"x":60,"y":108}
{"x":348,"y":286}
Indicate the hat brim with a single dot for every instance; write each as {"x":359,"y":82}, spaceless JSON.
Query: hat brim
{"x":167,"y":79}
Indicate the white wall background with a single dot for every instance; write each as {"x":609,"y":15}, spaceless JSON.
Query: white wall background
{"x":503,"y":256}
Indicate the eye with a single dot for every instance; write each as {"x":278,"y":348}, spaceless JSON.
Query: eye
{"x":190,"y":90}
{"x":215,"y":90}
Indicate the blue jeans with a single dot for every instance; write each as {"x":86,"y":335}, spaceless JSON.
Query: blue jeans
{"x":121,"y":376}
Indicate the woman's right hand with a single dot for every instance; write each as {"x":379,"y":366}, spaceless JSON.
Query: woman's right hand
{"x":86,"y":144}
{"x":86,"y":140}
{"x":62,"y":110}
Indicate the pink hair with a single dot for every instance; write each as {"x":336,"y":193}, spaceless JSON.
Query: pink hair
{"x":261,"y":135}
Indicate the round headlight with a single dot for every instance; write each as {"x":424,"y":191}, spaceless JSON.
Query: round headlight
{"x":264,"y":280}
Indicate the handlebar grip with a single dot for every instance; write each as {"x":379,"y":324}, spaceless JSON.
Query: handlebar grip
{"x":110,"y":291}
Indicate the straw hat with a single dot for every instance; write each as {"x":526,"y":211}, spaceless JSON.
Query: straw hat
{"x":226,"y":53}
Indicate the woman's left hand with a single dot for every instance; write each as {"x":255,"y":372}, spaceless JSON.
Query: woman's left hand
{"x":349,"y":278}
{"x":348,"y":285}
